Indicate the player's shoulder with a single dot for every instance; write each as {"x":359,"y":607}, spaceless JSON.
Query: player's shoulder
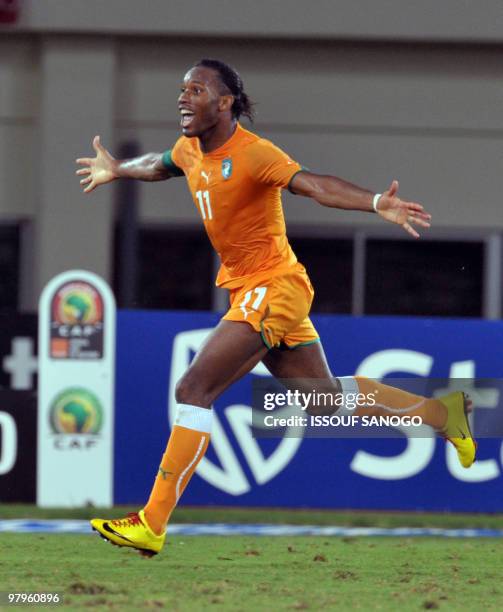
{"x":245,"y":138}
{"x":252,"y":143}
{"x":185,"y":152}
{"x":186,"y":144}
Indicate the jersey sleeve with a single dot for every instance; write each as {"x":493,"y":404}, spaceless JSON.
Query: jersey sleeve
{"x":168,"y":160}
{"x":169,"y":164}
{"x":269,"y":165}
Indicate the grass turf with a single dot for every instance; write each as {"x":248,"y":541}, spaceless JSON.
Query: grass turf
{"x":248,"y":574}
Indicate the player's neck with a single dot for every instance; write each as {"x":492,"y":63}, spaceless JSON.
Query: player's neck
{"x":217,"y":136}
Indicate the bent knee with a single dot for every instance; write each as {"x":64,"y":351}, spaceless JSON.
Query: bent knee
{"x":188,"y":390}
{"x":326,"y":398}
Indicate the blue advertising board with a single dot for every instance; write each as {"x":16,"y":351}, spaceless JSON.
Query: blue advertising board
{"x":154,"y":349}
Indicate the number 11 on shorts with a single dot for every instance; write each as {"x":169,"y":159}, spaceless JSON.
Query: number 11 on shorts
{"x":260,"y":293}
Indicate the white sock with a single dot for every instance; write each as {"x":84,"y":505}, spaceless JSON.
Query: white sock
{"x":194,"y":417}
{"x":349,"y":386}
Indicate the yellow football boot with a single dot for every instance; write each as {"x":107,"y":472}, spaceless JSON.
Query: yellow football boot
{"x":132,"y":531}
{"x":457,"y":429}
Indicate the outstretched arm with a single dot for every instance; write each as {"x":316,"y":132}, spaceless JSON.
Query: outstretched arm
{"x":104,"y":168}
{"x":337,"y":193}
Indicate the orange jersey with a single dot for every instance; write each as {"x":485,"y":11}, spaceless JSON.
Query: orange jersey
{"x":237,"y":191}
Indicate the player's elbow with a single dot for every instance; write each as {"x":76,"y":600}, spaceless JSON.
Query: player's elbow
{"x":324,"y":198}
{"x":311,"y":191}
{"x":317,"y":191}
{"x":324,"y":201}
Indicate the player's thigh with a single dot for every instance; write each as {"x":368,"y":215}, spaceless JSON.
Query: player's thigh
{"x":304,"y":369}
{"x":231,"y":350}
{"x":301,"y":362}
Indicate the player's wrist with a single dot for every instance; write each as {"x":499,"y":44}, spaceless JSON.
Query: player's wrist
{"x":116,"y":170}
{"x":375,"y":201}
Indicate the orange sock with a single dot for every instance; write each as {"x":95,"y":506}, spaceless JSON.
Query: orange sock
{"x":390,"y":401}
{"x":187,"y":445}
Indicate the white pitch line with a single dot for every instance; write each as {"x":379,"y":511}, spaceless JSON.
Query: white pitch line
{"x":227,"y":529}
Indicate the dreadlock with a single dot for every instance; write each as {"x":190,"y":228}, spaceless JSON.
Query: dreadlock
{"x":230,"y":78}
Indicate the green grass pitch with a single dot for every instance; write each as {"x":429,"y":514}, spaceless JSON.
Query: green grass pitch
{"x":237,"y":573}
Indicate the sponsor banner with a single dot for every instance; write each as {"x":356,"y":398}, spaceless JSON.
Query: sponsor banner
{"x":76,"y":390}
{"x":18,"y":446}
{"x":403,"y":473}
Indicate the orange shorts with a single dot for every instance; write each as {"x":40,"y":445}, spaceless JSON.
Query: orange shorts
{"x":277,"y":307}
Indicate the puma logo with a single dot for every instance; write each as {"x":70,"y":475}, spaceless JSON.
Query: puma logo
{"x":164,"y":473}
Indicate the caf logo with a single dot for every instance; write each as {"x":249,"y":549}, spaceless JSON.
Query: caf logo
{"x":76,"y":411}
{"x":77,"y":303}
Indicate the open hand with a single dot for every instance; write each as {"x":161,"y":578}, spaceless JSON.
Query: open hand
{"x":406,"y":214}
{"x":97,"y":170}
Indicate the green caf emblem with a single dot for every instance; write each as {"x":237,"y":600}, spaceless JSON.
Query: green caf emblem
{"x":76,"y":411}
{"x":227,"y":168}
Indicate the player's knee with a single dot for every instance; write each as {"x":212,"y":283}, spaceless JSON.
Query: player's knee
{"x":189,"y":390}
{"x":325,"y":399}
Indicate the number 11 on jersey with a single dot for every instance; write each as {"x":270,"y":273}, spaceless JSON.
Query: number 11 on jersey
{"x":203,"y":198}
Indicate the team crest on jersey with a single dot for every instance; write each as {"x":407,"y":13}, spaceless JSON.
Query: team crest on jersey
{"x":227,"y":168}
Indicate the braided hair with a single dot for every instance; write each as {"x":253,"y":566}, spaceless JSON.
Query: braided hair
{"x":230,"y":78}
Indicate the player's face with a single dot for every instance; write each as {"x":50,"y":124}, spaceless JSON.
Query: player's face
{"x":200,"y":101}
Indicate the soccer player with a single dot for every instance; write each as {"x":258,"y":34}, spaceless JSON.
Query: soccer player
{"x":235,"y":179}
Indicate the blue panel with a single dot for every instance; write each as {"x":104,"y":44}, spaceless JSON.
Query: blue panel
{"x":318,"y":473}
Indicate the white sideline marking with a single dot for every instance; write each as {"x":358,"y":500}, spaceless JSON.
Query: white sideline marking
{"x":225,"y":529}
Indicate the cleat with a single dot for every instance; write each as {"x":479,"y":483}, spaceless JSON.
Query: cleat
{"x":147,"y":554}
{"x":457,"y":429}
{"x":132,"y":531}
